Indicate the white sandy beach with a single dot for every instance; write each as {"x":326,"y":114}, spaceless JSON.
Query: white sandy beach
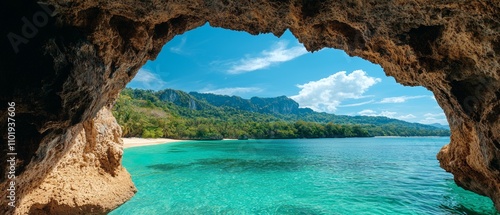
{"x":134,"y":141}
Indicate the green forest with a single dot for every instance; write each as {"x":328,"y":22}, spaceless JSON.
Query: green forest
{"x":176,"y":114}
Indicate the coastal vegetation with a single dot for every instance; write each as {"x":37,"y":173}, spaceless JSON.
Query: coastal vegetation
{"x":176,"y":114}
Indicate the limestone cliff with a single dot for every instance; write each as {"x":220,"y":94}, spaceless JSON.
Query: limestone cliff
{"x":89,"y":177}
{"x":63,"y":61}
{"x":86,"y":179}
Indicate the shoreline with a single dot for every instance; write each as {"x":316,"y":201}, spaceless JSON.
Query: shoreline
{"x":129,"y":142}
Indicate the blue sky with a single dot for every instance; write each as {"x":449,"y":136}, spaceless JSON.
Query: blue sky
{"x":220,"y":61}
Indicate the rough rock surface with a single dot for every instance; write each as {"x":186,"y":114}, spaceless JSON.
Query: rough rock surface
{"x":89,"y":178}
{"x":63,"y":69}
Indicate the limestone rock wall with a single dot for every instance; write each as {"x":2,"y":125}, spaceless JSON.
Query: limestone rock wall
{"x":85,"y":175}
{"x":62,"y":69}
{"x":89,"y":178}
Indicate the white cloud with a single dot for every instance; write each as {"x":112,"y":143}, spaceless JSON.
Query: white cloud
{"x":326,"y":94}
{"x":279,"y":53}
{"x":431,"y":118}
{"x":234,"y":90}
{"x":428,"y":118}
{"x":399,"y":99}
{"x":178,"y":49}
{"x":434,"y":115}
{"x":368,"y":112}
{"x":388,"y":114}
{"x":147,"y":80}
{"x":357,"y":104}
{"x":407,"y":117}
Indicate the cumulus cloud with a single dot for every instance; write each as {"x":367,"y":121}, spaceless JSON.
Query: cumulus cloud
{"x":146,"y":79}
{"x":407,"y":117}
{"x":388,"y":114}
{"x":431,"y":118}
{"x":428,"y":118}
{"x":399,"y":99}
{"x":434,"y":115}
{"x":326,"y":94}
{"x":369,"y":112}
{"x":279,"y":53}
{"x":234,"y":90}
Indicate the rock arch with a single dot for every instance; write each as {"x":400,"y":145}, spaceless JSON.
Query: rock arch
{"x":64,"y":63}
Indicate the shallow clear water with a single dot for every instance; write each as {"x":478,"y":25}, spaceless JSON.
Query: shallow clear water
{"x":302,"y":176}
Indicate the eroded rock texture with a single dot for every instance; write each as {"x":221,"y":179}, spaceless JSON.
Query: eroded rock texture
{"x":73,"y":61}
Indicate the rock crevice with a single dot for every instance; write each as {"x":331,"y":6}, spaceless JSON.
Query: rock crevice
{"x":64,"y":64}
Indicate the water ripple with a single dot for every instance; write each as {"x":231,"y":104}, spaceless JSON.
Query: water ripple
{"x":320,"y":176}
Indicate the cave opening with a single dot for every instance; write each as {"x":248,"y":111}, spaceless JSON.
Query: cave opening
{"x":232,"y":63}
{"x":66,"y":76}
{"x":209,"y":60}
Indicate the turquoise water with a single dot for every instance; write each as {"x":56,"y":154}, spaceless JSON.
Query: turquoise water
{"x":302,"y":176}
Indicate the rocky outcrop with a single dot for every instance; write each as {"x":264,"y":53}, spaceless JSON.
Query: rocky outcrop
{"x":63,"y":61}
{"x":87,"y":179}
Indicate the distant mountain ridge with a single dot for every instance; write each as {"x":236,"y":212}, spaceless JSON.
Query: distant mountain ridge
{"x":177,"y":114}
{"x":282,"y":107}
{"x":203,"y":101}
{"x":437,"y":125}
{"x":277,"y":105}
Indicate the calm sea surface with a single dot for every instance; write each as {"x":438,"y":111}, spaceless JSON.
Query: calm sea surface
{"x":302,"y":176}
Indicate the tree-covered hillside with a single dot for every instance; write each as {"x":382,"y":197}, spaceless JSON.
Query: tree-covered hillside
{"x":177,"y":114}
